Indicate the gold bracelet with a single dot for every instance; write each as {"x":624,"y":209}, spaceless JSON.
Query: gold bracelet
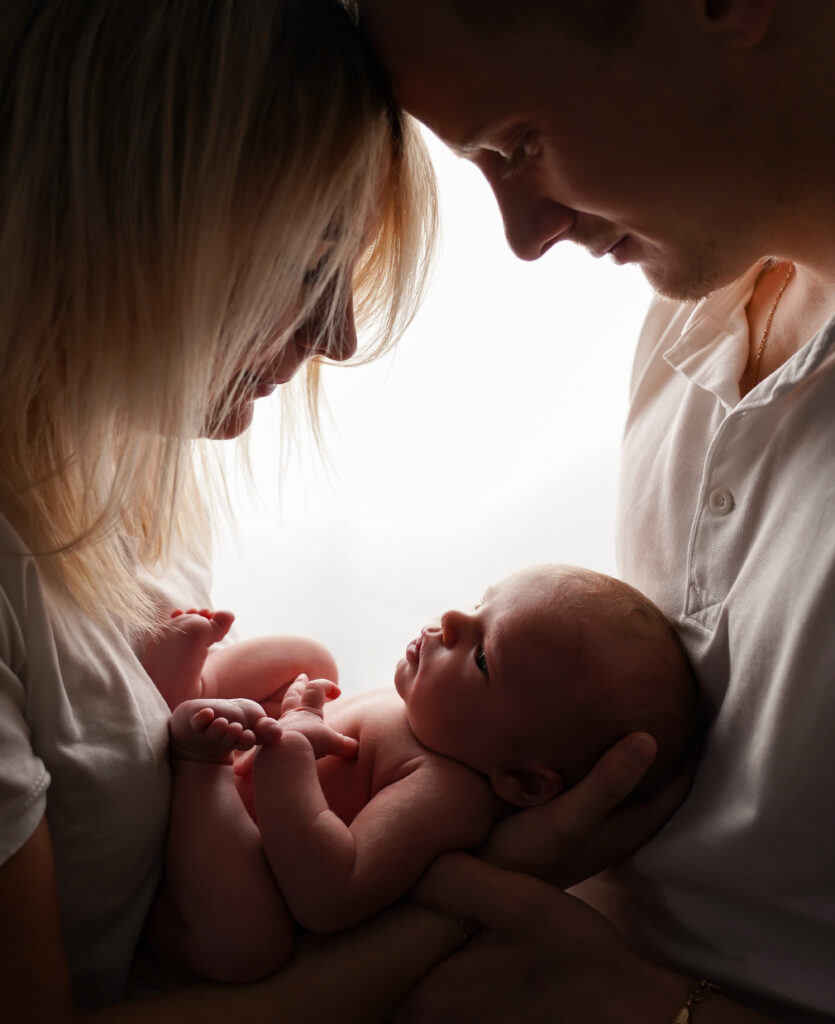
{"x":695,"y":994}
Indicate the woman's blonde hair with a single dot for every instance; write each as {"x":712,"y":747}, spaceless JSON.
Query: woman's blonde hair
{"x":169,"y":173}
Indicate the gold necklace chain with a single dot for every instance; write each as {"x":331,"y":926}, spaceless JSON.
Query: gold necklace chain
{"x":772,"y":311}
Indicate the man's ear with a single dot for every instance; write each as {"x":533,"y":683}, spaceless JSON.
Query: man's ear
{"x":526,"y":787}
{"x":738,"y":23}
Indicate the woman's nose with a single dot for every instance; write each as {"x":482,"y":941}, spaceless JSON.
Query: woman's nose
{"x":338,"y":344}
{"x":344,"y":341}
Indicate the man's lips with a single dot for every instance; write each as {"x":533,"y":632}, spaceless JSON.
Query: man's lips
{"x":598,"y":251}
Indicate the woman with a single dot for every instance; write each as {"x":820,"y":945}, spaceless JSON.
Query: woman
{"x":192,"y":196}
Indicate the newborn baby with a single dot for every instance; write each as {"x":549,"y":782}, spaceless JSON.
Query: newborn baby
{"x":337,"y":808}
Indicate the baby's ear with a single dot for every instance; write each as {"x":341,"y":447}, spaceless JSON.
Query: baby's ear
{"x":526,"y":787}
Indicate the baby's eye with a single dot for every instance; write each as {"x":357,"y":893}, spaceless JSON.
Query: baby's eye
{"x":481,"y":660}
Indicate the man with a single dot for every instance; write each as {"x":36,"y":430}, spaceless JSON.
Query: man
{"x":694,"y":138}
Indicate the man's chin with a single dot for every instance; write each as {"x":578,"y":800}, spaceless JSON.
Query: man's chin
{"x":682,"y":284}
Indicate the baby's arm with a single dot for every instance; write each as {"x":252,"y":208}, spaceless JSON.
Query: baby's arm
{"x":219,"y":914}
{"x":333,"y":875}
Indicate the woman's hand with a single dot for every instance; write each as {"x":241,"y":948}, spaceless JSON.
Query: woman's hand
{"x":541,"y":955}
{"x":588,"y":828}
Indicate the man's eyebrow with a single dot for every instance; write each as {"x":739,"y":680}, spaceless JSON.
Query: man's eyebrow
{"x":469,"y":142}
{"x":464,"y":149}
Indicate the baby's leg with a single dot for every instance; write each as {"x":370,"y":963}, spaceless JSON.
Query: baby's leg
{"x":176,"y":655}
{"x":220,"y":913}
{"x":264,"y":667}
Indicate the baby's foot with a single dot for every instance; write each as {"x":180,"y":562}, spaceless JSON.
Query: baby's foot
{"x":209,"y":730}
{"x":175,"y":656}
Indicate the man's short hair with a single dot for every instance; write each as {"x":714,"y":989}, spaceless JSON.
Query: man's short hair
{"x":601,"y":23}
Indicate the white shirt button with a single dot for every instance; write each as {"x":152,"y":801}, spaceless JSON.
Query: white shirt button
{"x":721,"y":501}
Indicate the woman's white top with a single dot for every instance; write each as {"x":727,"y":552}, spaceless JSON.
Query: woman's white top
{"x":83,"y":739}
{"x":727,"y":521}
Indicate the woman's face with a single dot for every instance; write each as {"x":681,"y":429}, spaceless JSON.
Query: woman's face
{"x":260,"y":377}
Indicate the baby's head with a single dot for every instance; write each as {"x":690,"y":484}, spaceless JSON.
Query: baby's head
{"x":532,"y":685}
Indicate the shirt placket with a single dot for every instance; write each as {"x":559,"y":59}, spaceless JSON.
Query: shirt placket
{"x":716,"y":532}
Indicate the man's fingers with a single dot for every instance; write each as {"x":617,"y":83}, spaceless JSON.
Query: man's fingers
{"x":463,"y":886}
{"x":611,"y":780}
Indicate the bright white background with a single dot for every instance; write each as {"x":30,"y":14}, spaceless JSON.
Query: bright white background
{"x":487,"y":442}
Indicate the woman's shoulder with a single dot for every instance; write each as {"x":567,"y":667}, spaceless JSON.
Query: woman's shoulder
{"x":21,"y":598}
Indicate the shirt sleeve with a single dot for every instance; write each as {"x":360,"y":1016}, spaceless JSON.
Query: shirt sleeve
{"x":23,"y":777}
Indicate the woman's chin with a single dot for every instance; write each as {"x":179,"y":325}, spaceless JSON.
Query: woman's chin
{"x":233,"y":424}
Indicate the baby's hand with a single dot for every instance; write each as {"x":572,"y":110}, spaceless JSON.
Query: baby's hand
{"x":302,"y":711}
{"x":209,"y":730}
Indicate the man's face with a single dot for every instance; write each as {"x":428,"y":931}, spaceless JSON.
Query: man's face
{"x":629,"y":153}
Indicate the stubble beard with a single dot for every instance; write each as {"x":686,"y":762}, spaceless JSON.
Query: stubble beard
{"x":688,"y":278}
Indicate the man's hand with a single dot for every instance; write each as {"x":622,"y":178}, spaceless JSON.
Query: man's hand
{"x":588,"y":828}
{"x":302,"y":711}
{"x":541,"y":955}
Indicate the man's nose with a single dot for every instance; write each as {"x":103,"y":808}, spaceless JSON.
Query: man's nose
{"x":533,"y":221}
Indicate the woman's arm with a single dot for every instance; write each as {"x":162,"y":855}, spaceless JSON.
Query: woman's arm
{"x":367,"y":969}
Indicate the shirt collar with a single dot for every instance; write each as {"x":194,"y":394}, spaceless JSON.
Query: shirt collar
{"x":712,"y":349}
{"x":713,"y":346}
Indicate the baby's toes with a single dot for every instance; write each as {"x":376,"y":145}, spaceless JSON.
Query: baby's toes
{"x":201,"y":719}
{"x":267,"y":731}
{"x":246,"y":741}
{"x":223,"y":733}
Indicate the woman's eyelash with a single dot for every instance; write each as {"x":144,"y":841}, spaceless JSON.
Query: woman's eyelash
{"x":312,"y":275}
{"x":481,"y":660}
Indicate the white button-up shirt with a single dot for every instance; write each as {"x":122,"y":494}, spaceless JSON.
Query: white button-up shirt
{"x":727,"y":521}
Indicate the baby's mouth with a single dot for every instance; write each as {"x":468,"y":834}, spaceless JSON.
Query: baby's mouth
{"x":413,"y":651}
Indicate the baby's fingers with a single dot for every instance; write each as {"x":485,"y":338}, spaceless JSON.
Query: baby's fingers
{"x":342,"y":746}
{"x":305,"y":694}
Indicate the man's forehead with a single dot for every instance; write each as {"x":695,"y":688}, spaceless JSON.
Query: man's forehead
{"x":437,"y":64}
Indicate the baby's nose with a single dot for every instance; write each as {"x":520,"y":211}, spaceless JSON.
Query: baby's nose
{"x":453,"y":623}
